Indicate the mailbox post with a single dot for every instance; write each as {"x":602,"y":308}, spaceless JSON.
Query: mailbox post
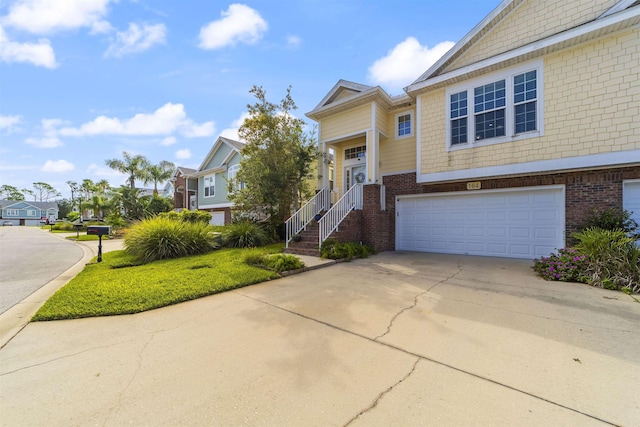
{"x":98,"y":230}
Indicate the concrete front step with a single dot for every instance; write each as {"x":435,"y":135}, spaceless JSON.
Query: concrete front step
{"x":302,"y":251}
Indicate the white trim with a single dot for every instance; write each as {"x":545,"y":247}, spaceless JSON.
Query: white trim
{"x":411,"y":121}
{"x":589,"y":161}
{"x":494,"y":190}
{"x":507,"y":75}
{"x":539,"y":45}
{"x":341,"y":138}
{"x":217,"y":205}
{"x":622,"y":5}
{"x":418,"y":133}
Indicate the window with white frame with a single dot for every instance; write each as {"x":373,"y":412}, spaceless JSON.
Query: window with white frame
{"x":231,"y":175}
{"x":499,"y":108}
{"x":404,"y":124}
{"x":13,"y":212}
{"x":31,"y":212}
{"x":210,"y":185}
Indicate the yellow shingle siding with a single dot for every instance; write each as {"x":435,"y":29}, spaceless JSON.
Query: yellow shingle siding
{"x":383,"y":120}
{"x":397,"y":155}
{"x":516,"y":29}
{"x":346,"y":123}
{"x":591,"y":106}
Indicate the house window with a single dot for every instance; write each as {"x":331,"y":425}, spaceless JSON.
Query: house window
{"x":210,"y":186}
{"x":505,"y":108}
{"x":231,"y":174}
{"x":31,"y":212}
{"x":403,"y":124}
{"x":13,"y":212}
{"x":355,"y":152}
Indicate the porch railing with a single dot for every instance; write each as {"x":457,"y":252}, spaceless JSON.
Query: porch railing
{"x":299,"y":220}
{"x":351,"y":200}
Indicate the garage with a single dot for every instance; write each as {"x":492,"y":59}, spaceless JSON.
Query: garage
{"x":631,"y":198}
{"x":516,"y":223}
{"x":217,"y":218}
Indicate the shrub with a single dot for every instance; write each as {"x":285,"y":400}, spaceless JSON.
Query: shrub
{"x":244,"y":235}
{"x":276,"y":262}
{"x":161,"y":238}
{"x":613,"y":260}
{"x":64,"y":226}
{"x":566,"y":266}
{"x":157,"y":205}
{"x":333,"y":249}
{"x":612,"y":219}
{"x":196,"y":216}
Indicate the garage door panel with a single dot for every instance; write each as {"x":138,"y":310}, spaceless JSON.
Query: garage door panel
{"x":522,"y":223}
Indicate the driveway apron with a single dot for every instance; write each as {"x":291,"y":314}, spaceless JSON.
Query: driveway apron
{"x":395,"y":339}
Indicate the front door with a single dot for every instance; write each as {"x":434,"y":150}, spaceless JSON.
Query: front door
{"x":356,"y":174}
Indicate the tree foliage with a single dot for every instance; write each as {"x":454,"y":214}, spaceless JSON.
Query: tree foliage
{"x":134,"y":166}
{"x":158,"y":173}
{"x":276,"y":160}
{"x":44,"y":192}
{"x":10,"y":192}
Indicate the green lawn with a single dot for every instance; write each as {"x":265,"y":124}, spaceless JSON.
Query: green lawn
{"x":117,"y":286}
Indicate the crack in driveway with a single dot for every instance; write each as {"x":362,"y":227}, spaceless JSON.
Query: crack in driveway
{"x":415,"y":302}
{"x":384,"y":393}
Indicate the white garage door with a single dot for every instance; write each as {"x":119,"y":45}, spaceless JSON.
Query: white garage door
{"x":217,"y":218}
{"x":631,"y":198}
{"x":522,"y":223}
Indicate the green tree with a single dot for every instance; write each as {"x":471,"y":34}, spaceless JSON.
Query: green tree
{"x":276,"y":160}
{"x":128,"y":201}
{"x":10,"y":192}
{"x":43,"y":192}
{"x":133,"y":166}
{"x":158,"y":173}
{"x":65,"y":207}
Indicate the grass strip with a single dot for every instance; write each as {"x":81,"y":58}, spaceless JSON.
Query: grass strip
{"x":119,"y":286}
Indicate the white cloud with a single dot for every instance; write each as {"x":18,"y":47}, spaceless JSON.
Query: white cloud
{"x":136,"y":39}
{"x":232,"y":132}
{"x":48,"y":16}
{"x":103,"y":171}
{"x":50,"y":132}
{"x":8,"y":122}
{"x":293,"y":41}
{"x":170,"y":140}
{"x":57,"y":166}
{"x":405,"y":62}
{"x":40,"y":54}
{"x":183,"y":154}
{"x":164,"y":121}
{"x":239,"y":24}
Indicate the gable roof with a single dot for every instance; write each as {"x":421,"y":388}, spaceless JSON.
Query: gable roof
{"x":236,"y":147}
{"x":38,"y":205}
{"x":361,"y":94}
{"x":184,"y":171}
{"x":623,"y":14}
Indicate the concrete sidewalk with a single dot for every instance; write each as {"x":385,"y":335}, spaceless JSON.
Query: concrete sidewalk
{"x":396,"y":339}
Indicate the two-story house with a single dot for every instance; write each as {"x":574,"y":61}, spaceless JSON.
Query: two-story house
{"x":503,"y":146}
{"x":206,"y":188}
{"x":22,"y":212}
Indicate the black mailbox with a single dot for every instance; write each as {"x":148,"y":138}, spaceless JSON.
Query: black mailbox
{"x":98,"y":230}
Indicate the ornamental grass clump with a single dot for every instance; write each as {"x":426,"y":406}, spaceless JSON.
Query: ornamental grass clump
{"x":244,"y":234}
{"x":565,"y":266}
{"x":161,"y":238}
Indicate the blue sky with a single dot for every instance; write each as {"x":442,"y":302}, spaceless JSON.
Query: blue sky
{"x":81,"y":81}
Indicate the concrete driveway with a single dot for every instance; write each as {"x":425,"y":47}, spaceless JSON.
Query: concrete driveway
{"x":397,"y":339}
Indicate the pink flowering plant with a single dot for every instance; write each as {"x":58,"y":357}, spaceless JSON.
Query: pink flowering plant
{"x":567,"y":266}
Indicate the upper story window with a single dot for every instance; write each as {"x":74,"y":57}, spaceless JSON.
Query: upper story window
{"x":404,"y":124}
{"x":13,"y":212}
{"x":355,"y":152}
{"x":505,"y":108}
{"x":31,"y":212}
{"x":210,"y":185}
{"x":231,"y":174}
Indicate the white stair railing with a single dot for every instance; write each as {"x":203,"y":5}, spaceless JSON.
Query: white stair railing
{"x":299,"y":220}
{"x":351,"y":200}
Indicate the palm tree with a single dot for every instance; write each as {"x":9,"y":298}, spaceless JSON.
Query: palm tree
{"x":102,"y":186}
{"x":133,"y":166}
{"x":159,"y":173}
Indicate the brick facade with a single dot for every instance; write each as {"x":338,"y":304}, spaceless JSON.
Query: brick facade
{"x":584,"y":191}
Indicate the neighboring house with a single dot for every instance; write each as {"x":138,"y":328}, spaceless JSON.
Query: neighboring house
{"x":503,"y":146}
{"x":206,"y":188}
{"x":22,"y":212}
{"x":185,"y":188}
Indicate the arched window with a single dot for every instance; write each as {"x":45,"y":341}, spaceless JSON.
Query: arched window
{"x":231,"y":174}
